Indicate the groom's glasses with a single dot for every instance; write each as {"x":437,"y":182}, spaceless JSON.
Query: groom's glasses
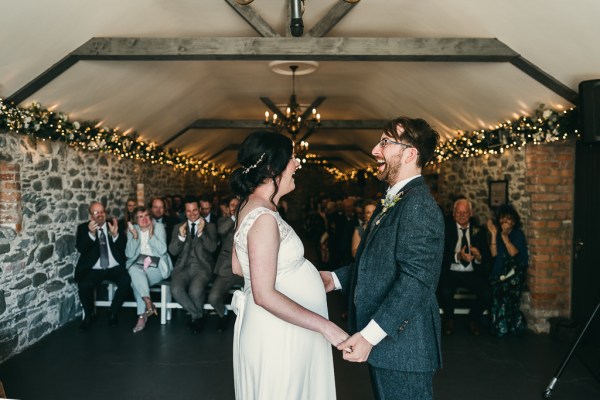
{"x":385,"y":141}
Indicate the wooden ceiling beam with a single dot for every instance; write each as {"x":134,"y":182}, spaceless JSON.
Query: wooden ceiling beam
{"x":333,"y":16}
{"x":304,"y":48}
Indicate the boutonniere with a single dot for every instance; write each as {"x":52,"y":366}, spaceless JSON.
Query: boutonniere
{"x":388,"y":203}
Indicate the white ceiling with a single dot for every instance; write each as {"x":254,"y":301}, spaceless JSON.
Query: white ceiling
{"x":160,"y":98}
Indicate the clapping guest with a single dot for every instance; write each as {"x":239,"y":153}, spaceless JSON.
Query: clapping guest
{"x":509,"y":249}
{"x":147,"y":262}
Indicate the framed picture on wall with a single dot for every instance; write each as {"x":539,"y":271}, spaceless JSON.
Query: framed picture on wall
{"x":498,"y":193}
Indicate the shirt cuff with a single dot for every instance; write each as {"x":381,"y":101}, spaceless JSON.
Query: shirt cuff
{"x":182,"y":238}
{"x":373,"y":333}
{"x":92,"y":236}
{"x":336,"y":282}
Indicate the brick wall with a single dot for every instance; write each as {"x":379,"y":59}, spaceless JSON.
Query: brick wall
{"x":550,"y":184}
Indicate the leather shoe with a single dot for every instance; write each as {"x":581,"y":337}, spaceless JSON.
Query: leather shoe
{"x":113,"y":319}
{"x":449,"y":327}
{"x":222,"y":323}
{"x":474,"y":328}
{"x":85,"y":324}
{"x":197,"y":325}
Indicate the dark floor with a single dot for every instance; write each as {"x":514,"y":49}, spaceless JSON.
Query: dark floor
{"x":169,"y":362}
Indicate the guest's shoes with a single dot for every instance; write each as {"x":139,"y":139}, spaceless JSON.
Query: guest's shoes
{"x":85,"y":324}
{"x":140,"y":324}
{"x":474,"y":328}
{"x":222,"y":323}
{"x":113,"y":320}
{"x":449,"y":326}
{"x":151,"y":311}
{"x":197,"y":325}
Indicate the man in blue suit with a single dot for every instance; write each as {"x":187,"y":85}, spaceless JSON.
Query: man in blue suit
{"x":393,"y":313}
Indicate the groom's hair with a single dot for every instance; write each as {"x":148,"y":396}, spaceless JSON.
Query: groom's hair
{"x":416,"y":132}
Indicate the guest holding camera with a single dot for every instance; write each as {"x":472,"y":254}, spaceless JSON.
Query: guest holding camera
{"x":509,"y":249}
{"x":147,"y":261}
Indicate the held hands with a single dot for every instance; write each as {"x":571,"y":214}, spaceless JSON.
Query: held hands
{"x":334,"y":334}
{"x":355,"y":348}
{"x":328,"y":282}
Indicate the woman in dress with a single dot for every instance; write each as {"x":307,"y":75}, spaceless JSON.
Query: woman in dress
{"x":509,"y":249}
{"x":282,"y":333}
{"x":147,"y":261}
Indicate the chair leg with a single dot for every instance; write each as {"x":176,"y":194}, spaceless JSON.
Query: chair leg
{"x":163,"y":304}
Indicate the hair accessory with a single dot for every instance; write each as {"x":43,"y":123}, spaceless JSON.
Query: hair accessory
{"x":247,"y":169}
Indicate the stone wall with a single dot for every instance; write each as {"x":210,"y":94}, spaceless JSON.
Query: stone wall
{"x":46,"y":188}
{"x":541,"y":187}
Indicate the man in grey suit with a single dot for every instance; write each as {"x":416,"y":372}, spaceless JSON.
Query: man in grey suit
{"x":193,"y":243}
{"x":392,"y":307}
{"x":225,"y":278}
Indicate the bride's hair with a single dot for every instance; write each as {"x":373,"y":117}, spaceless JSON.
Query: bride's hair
{"x":263,"y":155}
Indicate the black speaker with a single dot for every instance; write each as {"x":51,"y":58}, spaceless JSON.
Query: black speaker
{"x":589,"y":107}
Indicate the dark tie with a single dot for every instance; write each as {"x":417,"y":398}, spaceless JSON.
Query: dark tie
{"x":193,"y":229}
{"x":103,"y":249}
{"x":464,"y":244}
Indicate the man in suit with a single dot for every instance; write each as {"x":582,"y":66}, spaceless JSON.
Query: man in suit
{"x":206,"y":210}
{"x":102,"y":257}
{"x":193,"y":243}
{"x":157,"y":210}
{"x":466,"y":258}
{"x":393,"y":314}
{"x":225,"y":278}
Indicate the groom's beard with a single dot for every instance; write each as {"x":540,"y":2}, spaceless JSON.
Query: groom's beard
{"x":391,"y":170}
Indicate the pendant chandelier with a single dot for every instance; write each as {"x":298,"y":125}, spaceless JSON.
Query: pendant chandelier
{"x":294,"y":120}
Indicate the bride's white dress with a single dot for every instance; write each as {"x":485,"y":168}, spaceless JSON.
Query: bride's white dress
{"x":274,"y":359}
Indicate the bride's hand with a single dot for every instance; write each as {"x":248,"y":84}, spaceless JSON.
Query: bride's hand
{"x":334,"y":334}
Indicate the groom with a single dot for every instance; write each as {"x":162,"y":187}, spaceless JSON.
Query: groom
{"x":392,"y":308}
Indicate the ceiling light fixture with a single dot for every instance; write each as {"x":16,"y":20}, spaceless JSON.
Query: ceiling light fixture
{"x":294,"y":120}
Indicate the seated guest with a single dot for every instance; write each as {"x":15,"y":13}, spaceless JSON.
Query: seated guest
{"x":368,"y":209}
{"x":101,"y":257}
{"x":147,"y":262}
{"x":466,"y":254}
{"x":206,"y":210}
{"x":509,"y":249}
{"x":225,"y":278}
{"x":193,"y":243}
{"x":158,"y":214}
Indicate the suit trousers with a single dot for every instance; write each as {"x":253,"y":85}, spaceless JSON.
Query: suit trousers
{"x":188,"y":286}
{"x":89,"y":281}
{"x":220,"y":288}
{"x":474,"y":282}
{"x":140,"y":283}
{"x":389,"y":384}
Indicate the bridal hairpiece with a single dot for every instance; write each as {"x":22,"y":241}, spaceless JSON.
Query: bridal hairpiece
{"x":248,"y":169}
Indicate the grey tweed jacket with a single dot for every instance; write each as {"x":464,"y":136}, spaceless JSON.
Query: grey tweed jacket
{"x":394,"y":278}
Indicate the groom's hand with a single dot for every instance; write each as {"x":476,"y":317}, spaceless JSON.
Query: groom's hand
{"x":327,"y":281}
{"x":356,"y":348}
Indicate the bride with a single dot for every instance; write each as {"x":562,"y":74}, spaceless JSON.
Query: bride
{"x":282,"y":332}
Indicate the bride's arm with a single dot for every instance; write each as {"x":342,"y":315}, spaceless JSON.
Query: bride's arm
{"x":263,"y":248}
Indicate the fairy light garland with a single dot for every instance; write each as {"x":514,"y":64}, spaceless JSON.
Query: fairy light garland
{"x":43,"y":124}
{"x":544,"y":126}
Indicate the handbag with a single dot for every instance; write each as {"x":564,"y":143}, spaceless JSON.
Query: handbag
{"x":141,"y":261}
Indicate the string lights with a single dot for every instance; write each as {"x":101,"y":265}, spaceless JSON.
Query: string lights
{"x":44,"y":124}
{"x":544,"y":126}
